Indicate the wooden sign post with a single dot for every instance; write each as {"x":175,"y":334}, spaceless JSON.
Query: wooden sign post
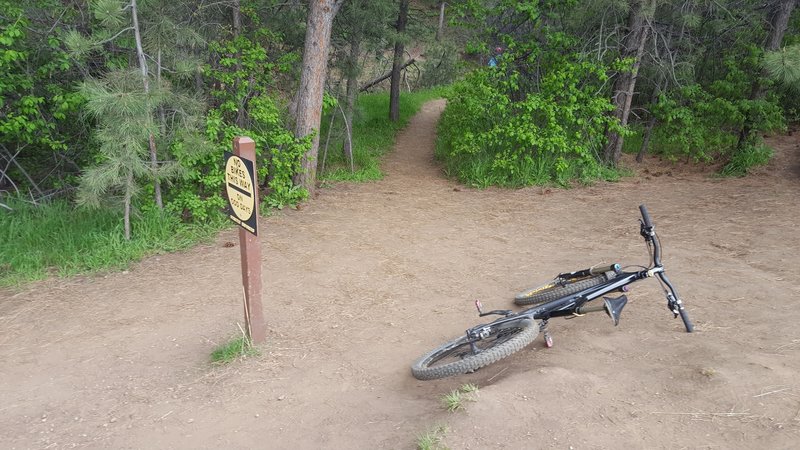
{"x":242,"y":188}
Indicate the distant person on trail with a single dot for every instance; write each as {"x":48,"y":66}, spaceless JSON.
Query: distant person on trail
{"x":498,"y":52}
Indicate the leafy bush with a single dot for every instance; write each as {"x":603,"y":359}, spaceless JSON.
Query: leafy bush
{"x":705,"y":123}
{"x":695,"y":124}
{"x":242,"y":75}
{"x":501,"y":127}
{"x":40,"y":118}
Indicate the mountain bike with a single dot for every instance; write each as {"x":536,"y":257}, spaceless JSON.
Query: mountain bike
{"x":567,"y":295}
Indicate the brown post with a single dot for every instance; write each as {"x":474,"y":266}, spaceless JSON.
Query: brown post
{"x":250,"y":247}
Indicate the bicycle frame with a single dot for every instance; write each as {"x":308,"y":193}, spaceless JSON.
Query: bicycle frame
{"x":570,"y":294}
{"x":575,"y":304}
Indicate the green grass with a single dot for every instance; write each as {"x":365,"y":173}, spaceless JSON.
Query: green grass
{"x":432,"y":439}
{"x":750,"y":156}
{"x":233,"y":350}
{"x":479,"y":171}
{"x":373,"y":135}
{"x":454,"y":400}
{"x":718,"y":146}
{"x":469,"y":388}
{"x":56,"y":238}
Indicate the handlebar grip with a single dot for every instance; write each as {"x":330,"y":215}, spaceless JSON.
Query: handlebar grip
{"x":686,"y":322}
{"x":645,"y":216}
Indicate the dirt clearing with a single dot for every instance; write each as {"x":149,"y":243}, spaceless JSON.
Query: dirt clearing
{"x":368,"y":277}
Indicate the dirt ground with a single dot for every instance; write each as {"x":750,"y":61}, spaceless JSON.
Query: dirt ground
{"x":367,"y":277}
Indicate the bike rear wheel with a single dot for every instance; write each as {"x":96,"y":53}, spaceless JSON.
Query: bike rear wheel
{"x":556,"y":289}
{"x":456,"y":357}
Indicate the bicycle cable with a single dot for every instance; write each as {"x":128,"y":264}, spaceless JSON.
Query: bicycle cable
{"x":660,"y":281}
{"x":663,"y":287}
{"x":659,"y":243}
{"x":650,"y":252}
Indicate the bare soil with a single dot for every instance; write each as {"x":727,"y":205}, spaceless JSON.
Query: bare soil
{"x":367,"y":277}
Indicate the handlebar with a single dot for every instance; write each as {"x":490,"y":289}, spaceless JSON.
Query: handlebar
{"x":645,"y":217}
{"x":674,"y":303}
{"x":649,"y":235}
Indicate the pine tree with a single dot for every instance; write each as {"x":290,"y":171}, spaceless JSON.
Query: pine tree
{"x":125,"y":122}
{"x":127,"y":101}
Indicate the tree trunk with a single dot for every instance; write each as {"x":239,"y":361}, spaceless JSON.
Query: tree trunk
{"x":646,"y":141}
{"x":308,"y":101}
{"x":351,"y":92}
{"x":633,"y":46}
{"x":399,"y":49}
{"x":778,"y":23}
{"x":440,"y":30}
{"x":161,"y":113}
{"x":237,"y":19}
{"x":151,"y":139}
{"x":127,"y":212}
{"x":661,"y":86}
{"x":237,"y":30}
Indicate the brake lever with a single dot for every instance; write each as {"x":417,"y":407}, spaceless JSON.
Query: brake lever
{"x":646,"y":232}
{"x":672,"y":304}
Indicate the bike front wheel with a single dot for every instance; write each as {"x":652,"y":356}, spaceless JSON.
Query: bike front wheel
{"x":556,"y":289}
{"x":458,"y":356}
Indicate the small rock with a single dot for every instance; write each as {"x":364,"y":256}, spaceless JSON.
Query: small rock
{"x":281,"y":397}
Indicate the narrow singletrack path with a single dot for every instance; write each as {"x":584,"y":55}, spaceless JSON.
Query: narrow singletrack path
{"x":367,"y":277}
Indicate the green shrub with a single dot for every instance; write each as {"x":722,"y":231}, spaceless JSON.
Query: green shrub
{"x":199,"y":195}
{"x":704,"y":123}
{"x":499,"y":130}
{"x":746,"y":158}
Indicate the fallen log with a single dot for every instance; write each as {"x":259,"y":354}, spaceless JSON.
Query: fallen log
{"x":385,"y":76}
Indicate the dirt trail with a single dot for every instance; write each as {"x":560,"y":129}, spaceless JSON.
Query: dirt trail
{"x":367,"y":277}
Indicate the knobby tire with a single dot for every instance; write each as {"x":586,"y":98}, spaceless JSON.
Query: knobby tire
{"x":503,"y":341}
{"x":555,"y":290}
